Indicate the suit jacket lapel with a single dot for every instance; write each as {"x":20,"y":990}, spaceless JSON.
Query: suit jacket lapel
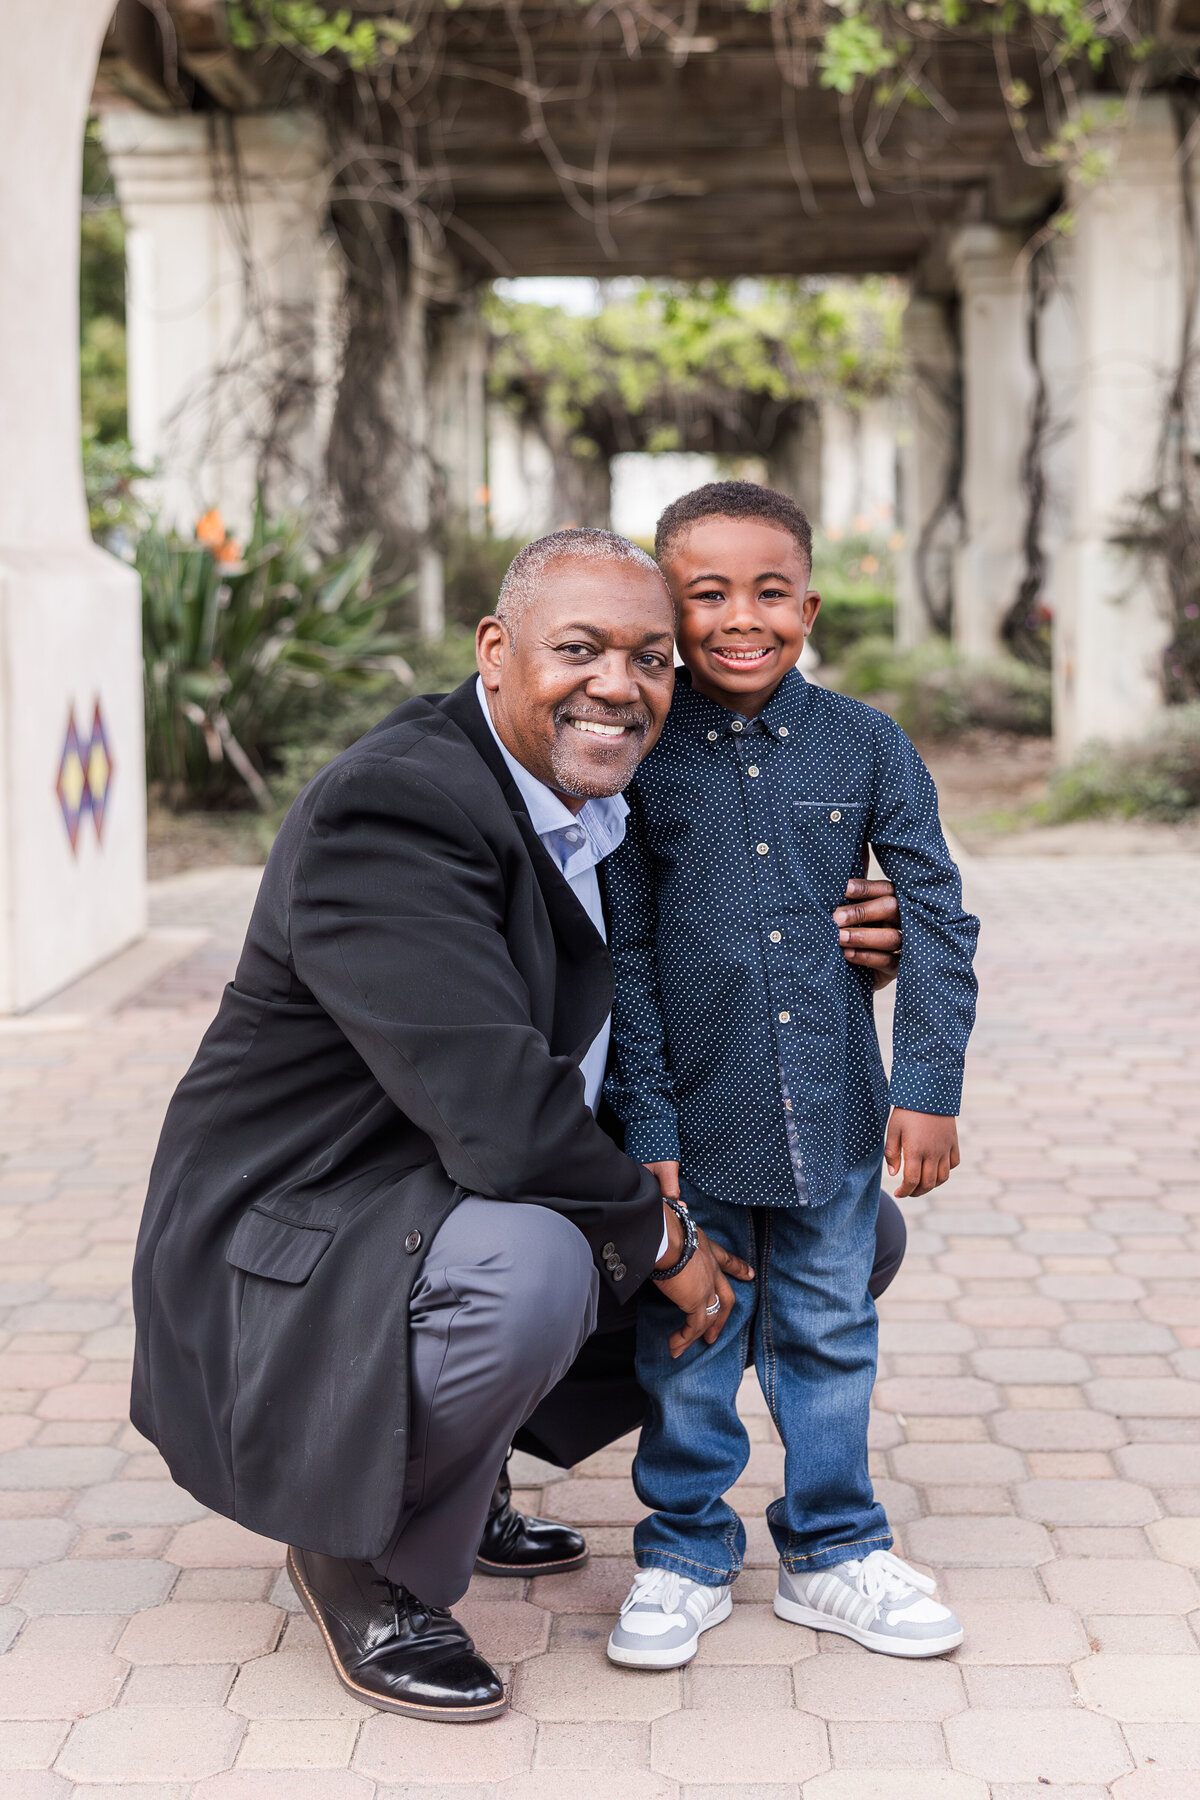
{"x":584,"y":989}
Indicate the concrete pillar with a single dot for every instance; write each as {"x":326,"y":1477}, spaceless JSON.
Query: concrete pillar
{"x":930,"y":445}
{"x":228,"y":304}
{"x":458,"y":387}
{"x":72,"y":783}
{"x":794,"y":459}
{"x":1128,"y":251}
{"x":520,"y":476}
{"x":997,"y":397}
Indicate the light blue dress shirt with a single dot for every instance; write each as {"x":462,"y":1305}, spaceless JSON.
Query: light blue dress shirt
{"x":577,"y":842}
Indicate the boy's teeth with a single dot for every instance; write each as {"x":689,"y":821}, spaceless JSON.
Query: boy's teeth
{"x":742,"y":655}
{"x":597,"y":729}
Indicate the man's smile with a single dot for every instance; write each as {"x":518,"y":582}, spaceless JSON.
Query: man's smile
{"x":597,"y":729}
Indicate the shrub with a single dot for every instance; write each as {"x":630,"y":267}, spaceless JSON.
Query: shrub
{"x":845,"y":619}
{"x":934,"y":692}
{"x":1157,"y":777}
{"x":244,"y":649}
{"x":474,"y":568}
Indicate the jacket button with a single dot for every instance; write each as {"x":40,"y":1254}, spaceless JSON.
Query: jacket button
{"x":412,"y":1242}
{"x":620,"y":1272}
{"x":609,"y":1250}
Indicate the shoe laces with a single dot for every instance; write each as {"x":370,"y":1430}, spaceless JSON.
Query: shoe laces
{"x":651,"y":1586}
{"x":881,"y":1577}
{"x":406,"y":1608}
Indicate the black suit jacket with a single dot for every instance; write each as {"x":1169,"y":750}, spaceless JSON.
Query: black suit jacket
{"x":416,"y":991}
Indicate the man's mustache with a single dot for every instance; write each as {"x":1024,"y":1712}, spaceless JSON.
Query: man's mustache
{"x":636,"y":717}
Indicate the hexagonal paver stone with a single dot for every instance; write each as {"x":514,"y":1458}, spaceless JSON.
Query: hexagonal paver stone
{"x":27,"y":1541}
{"x":1040,"y":1368}
{"x":505,"y":1631}
{"x":105,"y":1585}
{"x":1086,"y":1502}
{"x":753,"y":1635}
{"x":1046,"y":1429}
{"x":585,"y":1685}
{"x":1160,"y":1465}
{"x":137,"y":1503}
{"x":944,"y":1396}
{"x":1020,"y":1631}
{"x":151,"y":1743}
{"x":1176,"y":1541}
{"x":600,"y":1587}
{"x":958,"y":1465}
{"x":214,"y":1543}
{"x":742,"y":1747}
{"x":391,"y":1749}
{"x":588,"y":1501}
{"x":70,"y":1467}
{"x":199,"y":1631}
{"x":578,"y":1784}
{"x":964,"y":1542}
{"x":57,"y":1684}
{"x":1148,"y":1397}
{"x":293,"y":1684}
{"x":1157,"y":1784}
{"x":1110,"y":1585}
{"x":283,"y":1784}
{"x":1144,"y":1689}
{"x":895,"y":1784}
{"x":1037,"y":1745}
{"x":878,"y":1687}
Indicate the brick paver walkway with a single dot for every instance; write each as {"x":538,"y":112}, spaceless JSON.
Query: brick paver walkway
{"x":1037,"y":1440}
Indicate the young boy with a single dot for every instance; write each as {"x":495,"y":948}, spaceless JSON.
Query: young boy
{"x":747,"y":1074}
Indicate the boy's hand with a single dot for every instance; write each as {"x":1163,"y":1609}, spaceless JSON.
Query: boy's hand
{"x":928,"y":1145}
{"x":869,"y":931}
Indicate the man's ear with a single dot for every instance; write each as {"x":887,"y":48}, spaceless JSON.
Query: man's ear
{"x":812,"y":606}
{"x":491,"y":648}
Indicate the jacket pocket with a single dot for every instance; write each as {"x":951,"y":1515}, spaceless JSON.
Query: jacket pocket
{"x":276,"y":1248}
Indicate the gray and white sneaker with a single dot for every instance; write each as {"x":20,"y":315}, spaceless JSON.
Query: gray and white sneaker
{"x":876,"y":1600}
{"x":662,"y":1617}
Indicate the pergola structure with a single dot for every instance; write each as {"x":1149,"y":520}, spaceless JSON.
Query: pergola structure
{"x":536,"y":143}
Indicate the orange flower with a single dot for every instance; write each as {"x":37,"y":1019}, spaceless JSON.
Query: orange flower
{"x":210,"y":530}
{"x":229,"y":552}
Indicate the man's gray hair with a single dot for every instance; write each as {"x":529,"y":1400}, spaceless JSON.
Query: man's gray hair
{"x":527,"y":571}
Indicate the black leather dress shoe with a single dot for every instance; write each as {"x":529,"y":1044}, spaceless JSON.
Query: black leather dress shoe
{"x":515,"y":1545}
{"x":391,"y":1650}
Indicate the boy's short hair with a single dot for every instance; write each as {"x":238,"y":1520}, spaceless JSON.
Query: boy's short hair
{"x":732,"y":500}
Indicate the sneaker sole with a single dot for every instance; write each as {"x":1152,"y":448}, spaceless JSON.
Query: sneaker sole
{"x":675,"y":1659}
{"x":449,"y":1715}
{"x":795,"y":1614}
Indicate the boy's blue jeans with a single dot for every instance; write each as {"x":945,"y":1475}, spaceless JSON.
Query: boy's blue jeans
{"x":809,"y":1325}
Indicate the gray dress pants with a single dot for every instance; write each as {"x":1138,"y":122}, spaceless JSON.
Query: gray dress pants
{"x":499,"y":1313}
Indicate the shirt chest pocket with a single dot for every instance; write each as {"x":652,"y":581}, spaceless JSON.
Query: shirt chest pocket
{"x":829,"y":846}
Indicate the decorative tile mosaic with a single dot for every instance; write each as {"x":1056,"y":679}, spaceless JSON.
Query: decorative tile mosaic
{"x":85,"y":776}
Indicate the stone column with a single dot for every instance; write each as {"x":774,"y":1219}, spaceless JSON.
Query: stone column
{"x":72,"y":783}
{"x":930,"y":443}
{"x":794,"y":459}
{"x":997,"y":396}
{"x":458,"y":386}
{"x":228,"y":304}
{"x":1128,"y":251}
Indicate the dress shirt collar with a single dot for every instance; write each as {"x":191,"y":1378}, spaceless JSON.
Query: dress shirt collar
{"x":781,"y":718}
{"x":576,"y":841}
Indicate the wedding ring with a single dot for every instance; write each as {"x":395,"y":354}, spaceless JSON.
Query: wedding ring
{"x":714,"y":1306}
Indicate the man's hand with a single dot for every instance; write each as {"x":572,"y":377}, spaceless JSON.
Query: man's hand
{"x":702,"y":1281}
{"x":869,"y":931}
{"x":928,"y":1145}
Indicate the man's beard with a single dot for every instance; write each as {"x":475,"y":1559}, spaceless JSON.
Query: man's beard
{"x":595,"y":783}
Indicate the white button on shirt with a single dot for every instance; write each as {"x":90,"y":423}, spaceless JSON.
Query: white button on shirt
{"x":577,"y":842}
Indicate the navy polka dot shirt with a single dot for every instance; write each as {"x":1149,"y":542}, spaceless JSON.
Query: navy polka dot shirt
{"x":743,"y":1042}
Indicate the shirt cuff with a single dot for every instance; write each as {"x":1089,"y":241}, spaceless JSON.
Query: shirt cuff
{"x":652,"y":1140}
{"x":927,"y":1088}
{"x":665,"y":1245}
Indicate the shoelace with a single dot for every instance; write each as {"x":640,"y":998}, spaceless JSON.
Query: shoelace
{"x":661,"y":1585}
{"x":406,"y":1606}
{"x":882,"y":1577}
